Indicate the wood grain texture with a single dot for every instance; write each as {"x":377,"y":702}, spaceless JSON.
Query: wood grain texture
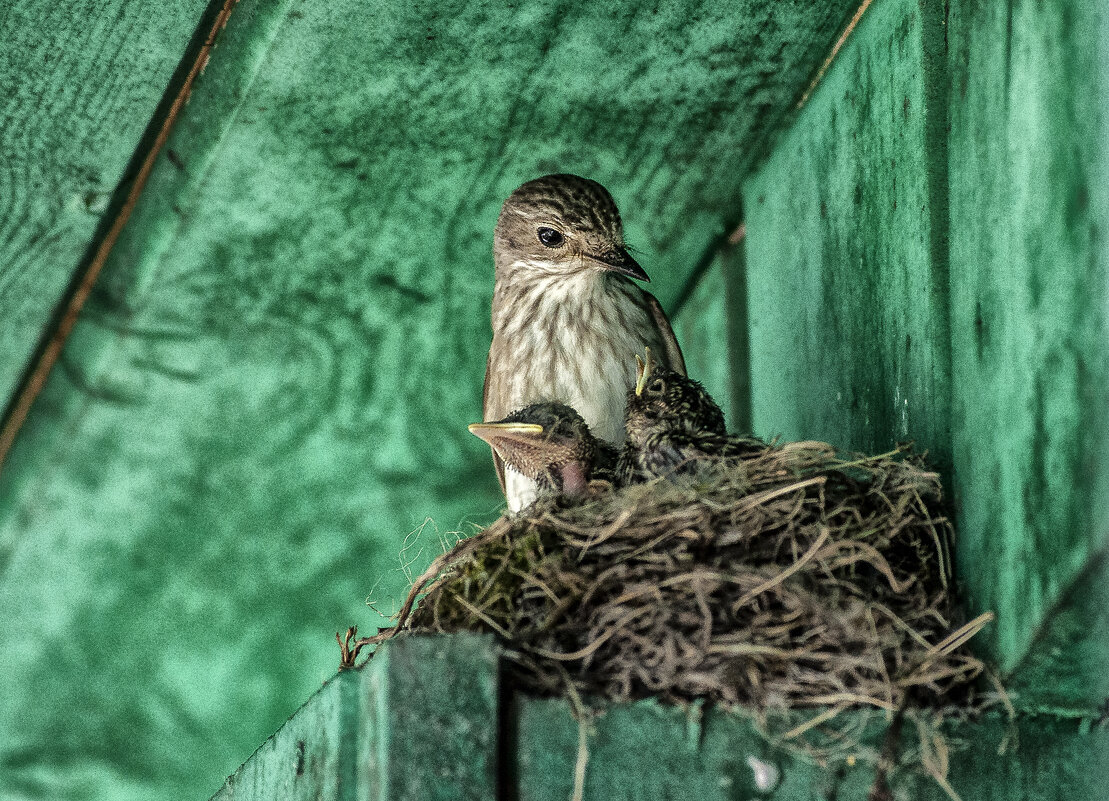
{"x":314,"y":756}
{"x":647,"y":751}
{"x":1029,"y":307}
{"x":702,"y":328}
{"x":1063,"y":669}
{"x":81,"y":82}
{"x":869,"y":327}
{"x":846,"y":274}
{"x":266,"y":396}
{"x":421,"y":721}
{"x":428,"y":718}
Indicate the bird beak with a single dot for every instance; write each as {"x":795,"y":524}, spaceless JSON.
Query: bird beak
{"x":619,"y":261}
{"x":493,"y":433}
{"x":642,"y":371}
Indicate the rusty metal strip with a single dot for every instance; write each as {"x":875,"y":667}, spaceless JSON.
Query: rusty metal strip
{"x":48,"y":355}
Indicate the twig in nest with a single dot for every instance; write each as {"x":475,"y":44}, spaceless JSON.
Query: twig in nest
{"x":887,"y":759}
{"x":348,"y":652}
{"x":792,"y":580}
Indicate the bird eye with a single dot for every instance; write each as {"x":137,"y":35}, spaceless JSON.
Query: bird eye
{"x":549,"y":236}
{"x":657,"y":387}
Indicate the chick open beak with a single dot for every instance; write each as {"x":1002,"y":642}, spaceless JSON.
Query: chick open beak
{"x":618,"y":260}
{"x":497,"y":433}
{"x":642,"y":371}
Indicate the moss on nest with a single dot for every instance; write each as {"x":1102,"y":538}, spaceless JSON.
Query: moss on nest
{"x":797,"y":577}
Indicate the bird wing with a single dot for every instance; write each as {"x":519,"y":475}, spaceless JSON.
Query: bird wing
{"x":674,"y":358}
{"x":498,"y":463}
{"x":743,"y":447}
{"x":679,"y":451}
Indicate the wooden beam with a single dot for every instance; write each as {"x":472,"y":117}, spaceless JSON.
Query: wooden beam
{"x":428,"y":719}
{"x":1030,"y":309}
{"x":82,"y":84}
{"x":56,"y":332}
{"x":420,"y":721}
{"x":845,"y":249}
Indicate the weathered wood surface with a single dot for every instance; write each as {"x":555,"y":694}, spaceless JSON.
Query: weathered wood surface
{"x":419,"y":722}
{"x":269,"y":389}
{"x":847,"y":280}
{"x":878,"y":315}
{"x":711,"y":324}
{"x":701,"y":326}
{"x":79,"y":84}
{"x":647,"y":751}
{"x":1066,"y":665}
{"x":1030,"y":311}
{"x":427,"y":719}
{"x":314,"y":756}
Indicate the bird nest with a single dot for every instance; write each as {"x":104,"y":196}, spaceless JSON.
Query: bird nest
{"x":795,"y":577}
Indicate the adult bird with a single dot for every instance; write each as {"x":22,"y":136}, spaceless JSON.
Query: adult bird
{"x":567,"y":312}
{"x":550,"y":444}
{"x":673,"y":426}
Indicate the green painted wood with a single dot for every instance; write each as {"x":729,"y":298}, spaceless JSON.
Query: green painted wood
{"x":867,"y":328}
{"x":1064,"y":667}
{"x":711,"y":324}
{"x":81,"y":82}
{"x":702,"y":328}
{"x":314,"y":756}
{"x":266,"y":397}
{"x":847,"y":282}
{"x":1030,"y":284}
{"x":418,"y":723}
{"x":427,"y":718}
{"x":442,"y":701}
{"x":733,"y":262}
{"x":647,"y":751}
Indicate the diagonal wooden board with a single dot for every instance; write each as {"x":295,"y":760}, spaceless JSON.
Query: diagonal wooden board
{"x":82,"y":83}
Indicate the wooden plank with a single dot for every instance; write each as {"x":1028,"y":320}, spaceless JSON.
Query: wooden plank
{"x":313,"y":756}
{"x":424,"y":720}
{"x":442,"y":703}
{"x":81,"y":83}
{"x":269,"y":390}
{"x":847,"y":277}
{"x":853,"y":344}
{"x":1064,"y":667}
{"x":1030,"y":285}
{"x":419,"y":722}
{"x":702,"y":329}
{"x":647,"y":751}
{"x":711,"y":325}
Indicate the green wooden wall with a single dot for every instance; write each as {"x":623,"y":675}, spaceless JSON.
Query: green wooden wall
{"x":847,"y":275}
{"x":80,"y":83}
{"x":369,"y":735}
{"x":926,"y":261}
{"x":701,"y":324}
{"x":1030,"y":325}
{"x":265,"y":398}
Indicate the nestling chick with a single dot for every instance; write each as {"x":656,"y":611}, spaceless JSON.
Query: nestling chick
{"x":672,"y":425}
{"x":551,"y":444}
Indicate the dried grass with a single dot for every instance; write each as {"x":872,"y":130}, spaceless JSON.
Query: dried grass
{"x":793,"y":579}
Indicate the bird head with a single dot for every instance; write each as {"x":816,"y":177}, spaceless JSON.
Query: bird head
{"x":548,"y":442}
{"x":562,"y":225}
{"x":665,"y":400}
